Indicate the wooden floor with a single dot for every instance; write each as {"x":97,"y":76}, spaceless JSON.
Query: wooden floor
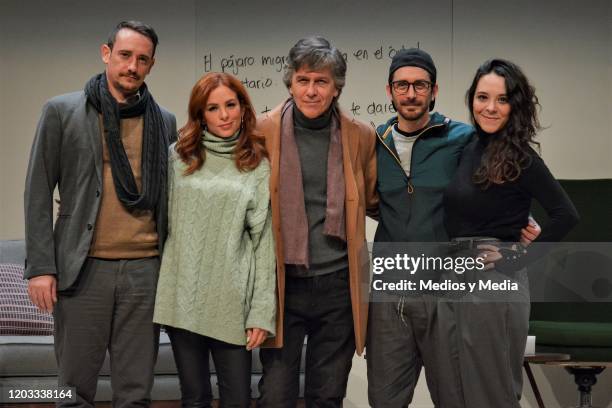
{"x":155,"y":404}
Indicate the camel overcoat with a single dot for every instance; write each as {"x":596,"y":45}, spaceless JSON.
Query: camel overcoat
{"x":358,"y":150}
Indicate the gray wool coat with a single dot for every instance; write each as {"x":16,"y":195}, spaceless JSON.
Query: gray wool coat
{"x":67,"y":153}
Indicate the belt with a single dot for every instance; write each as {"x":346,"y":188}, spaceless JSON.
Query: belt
{"x":471,"y":242}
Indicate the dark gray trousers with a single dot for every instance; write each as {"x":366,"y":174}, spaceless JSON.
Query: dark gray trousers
{"x":491,"y":337}
{"x":405,"y":334}
{"x":110,"y":307}
{"x":320,"y":308}
{"x":472,"y":348}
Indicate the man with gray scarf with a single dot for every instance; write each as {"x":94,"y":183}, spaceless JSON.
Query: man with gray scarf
{"x":322,"y":183}
{"x":105,"y":148}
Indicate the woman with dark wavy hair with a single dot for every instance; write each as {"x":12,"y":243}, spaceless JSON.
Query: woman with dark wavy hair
{"x":216,"y":291}
{"x":486,"y":206}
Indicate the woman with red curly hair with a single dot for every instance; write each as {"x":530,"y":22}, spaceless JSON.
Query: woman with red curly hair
{"x":216,"y":290}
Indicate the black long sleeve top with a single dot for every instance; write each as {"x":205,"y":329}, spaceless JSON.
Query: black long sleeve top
{"x":502,"y":210}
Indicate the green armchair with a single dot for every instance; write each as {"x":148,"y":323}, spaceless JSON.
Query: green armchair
{"x":579,"y":326}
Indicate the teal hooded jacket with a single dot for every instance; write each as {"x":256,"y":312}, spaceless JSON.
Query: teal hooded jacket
{"x":411,"y":207}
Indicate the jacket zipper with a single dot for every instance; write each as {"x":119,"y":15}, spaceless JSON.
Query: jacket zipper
{"x":389,"y":129}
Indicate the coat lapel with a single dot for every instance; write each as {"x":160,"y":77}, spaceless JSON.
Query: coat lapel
{"x":94,"y":133}
{"x":350,"y":147}
{"x":269,"y":126}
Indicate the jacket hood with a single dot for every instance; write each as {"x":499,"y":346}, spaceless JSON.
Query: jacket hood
{"x":435,"y":119}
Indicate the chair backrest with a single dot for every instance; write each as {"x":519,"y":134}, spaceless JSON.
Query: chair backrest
{"x":12,"y":251}
{"x":593,"y":200}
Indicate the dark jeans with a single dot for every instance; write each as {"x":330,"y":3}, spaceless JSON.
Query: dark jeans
{"x":320,"y":308}
{"x":232,"y":364}
{"x":110,"y":307}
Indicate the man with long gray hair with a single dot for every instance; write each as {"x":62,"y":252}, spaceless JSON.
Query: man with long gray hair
{"x":322,"y":183}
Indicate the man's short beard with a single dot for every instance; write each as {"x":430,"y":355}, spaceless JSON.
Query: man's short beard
{"x":413,"y":118}
{"x":125,"y":91}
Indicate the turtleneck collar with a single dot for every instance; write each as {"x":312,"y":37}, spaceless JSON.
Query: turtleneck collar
{"x":220,"y":146}
{"x":485,"y":138}
{"x":317,"y":123}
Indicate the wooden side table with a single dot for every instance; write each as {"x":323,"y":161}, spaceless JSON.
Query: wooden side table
{"x":541,"y":358}
{"x":585,"y":376}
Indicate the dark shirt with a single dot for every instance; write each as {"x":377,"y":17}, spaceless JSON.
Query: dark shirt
{"x":326,"y":254}
{"x":502,"y":210}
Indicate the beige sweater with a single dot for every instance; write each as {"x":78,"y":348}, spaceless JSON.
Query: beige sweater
{"x":119,"y":233}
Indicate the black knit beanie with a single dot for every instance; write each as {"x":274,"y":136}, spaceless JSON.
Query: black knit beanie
{"x":413,"y":57}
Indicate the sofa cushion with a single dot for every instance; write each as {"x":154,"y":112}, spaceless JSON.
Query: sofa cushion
{"x":573,"y":334}
{"x":583,"y":355}
{"x":12,"y":251}
{"x":24,"y":356}
{"x":18,"y":315}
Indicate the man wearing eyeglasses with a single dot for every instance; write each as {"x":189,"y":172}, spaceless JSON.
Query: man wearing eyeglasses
{"x":417,"y":153}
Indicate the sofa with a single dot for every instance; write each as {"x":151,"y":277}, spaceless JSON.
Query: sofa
{"x":27,"y":359}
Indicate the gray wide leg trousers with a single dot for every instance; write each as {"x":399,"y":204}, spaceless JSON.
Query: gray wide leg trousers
{"x":471,"y":347}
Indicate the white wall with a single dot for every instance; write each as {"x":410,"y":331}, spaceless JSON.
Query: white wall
{"x":609,"y":24}
{"x":564,"y":46}
{"x":53,"y":48}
